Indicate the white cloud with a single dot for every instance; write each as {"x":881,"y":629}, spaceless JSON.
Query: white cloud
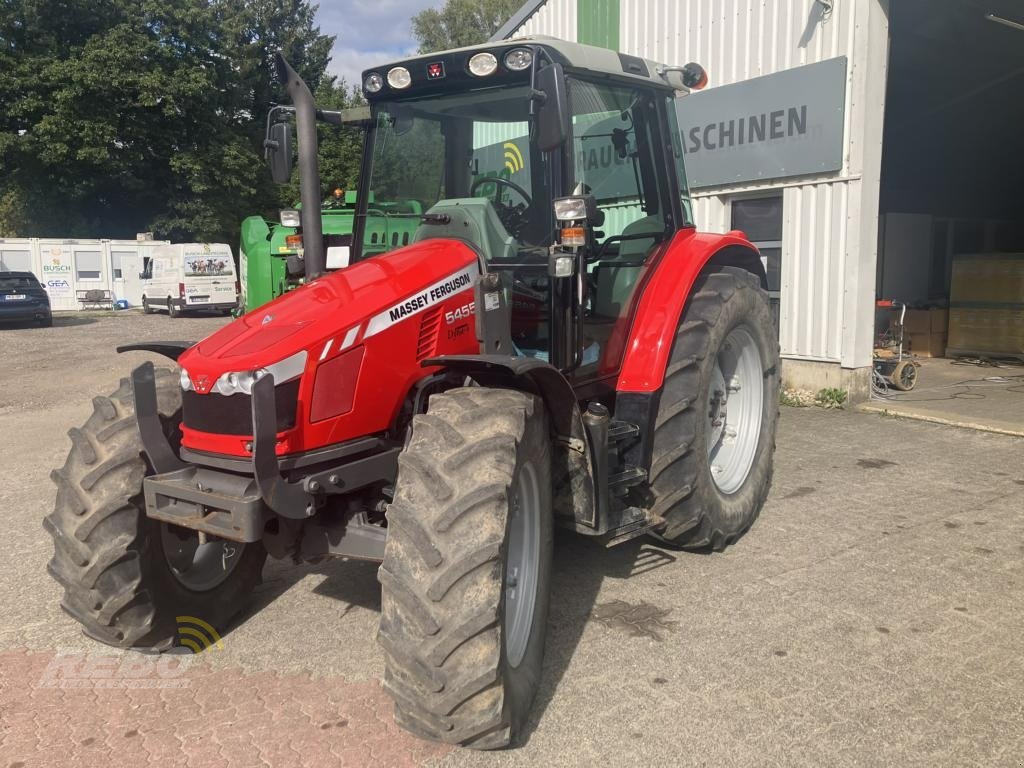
{"x":369,"y":32}
{"x":350,"y":63}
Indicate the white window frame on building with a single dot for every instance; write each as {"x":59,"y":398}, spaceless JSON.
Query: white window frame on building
{"x":16,"y":259}
{"x":89,"y":275}
{"x":764,"y":241}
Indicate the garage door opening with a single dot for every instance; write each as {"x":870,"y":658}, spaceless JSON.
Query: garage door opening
{"x":951,"y":225}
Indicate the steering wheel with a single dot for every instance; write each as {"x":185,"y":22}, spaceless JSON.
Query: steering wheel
{"x":513,"y":217}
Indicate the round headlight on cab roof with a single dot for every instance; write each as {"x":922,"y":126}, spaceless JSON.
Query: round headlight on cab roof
{"x":519,"y":59}
{"x":483,"y":64}
{"x":373,"y":83}
{"x":399,"y":77}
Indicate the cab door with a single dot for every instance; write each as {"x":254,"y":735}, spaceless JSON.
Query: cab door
{"x":617,"y":155}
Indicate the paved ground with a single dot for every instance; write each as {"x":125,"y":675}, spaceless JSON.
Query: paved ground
{"x":986,"y":396}
{"x":873,"y":616}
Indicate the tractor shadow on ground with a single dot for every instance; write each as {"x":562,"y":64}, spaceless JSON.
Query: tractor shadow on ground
{"x":580,"y":567}
{"x":348,"y":581}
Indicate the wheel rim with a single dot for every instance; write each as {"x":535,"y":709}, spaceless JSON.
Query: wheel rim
{"x":908,"y":375}
{"x":522,"y":564}
{"x":734,"y":410}
{"x":197,"y":566}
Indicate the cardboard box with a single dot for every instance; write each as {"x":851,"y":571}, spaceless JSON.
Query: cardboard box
{"x":923,"y":321}
{"x":925,"y":344}
{"x":986,"y":330}
{"x":988,"y":277}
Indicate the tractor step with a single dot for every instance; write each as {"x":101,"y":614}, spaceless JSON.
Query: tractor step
{"x":633,"y":523}
{"x":629,"y":476}
{"x":622,"y":430}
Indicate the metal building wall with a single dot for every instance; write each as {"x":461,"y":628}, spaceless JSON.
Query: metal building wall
{"x":830,"y":221}
{"x":828,"y":265}
{"x":556,"y":18}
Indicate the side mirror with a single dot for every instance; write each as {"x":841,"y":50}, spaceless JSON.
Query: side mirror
{"x":553,"y":115}
{"x":278,"y":147}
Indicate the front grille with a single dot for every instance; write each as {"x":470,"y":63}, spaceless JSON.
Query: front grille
{"x":232,"y":414}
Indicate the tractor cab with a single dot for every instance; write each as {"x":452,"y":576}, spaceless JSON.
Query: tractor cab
{"x":565,"y":177}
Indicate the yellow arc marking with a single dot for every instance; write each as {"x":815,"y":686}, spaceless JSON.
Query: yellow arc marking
{"x":210,"y":638}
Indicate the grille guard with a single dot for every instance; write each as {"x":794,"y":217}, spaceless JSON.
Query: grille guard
{"x":283,"y":497}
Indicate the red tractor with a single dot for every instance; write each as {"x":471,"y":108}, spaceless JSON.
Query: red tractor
{"x":556,"y":345}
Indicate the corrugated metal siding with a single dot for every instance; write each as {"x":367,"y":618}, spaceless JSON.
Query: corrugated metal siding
{"x":737,"y":40}
{"x":617,"y":216}
{"x":830,"y":222}
{"x":556,"y":18}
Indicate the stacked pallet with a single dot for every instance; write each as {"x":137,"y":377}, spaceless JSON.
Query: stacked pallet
{"x":986,"y":305}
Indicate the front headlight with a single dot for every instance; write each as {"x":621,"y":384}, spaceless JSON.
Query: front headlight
{"x":238,"y":381}
{"x":186,"y":382}
{"x":518,"y":59}
{"x":290,"y":218}
{"x":399,"y":78}
{"x":571,"y":209}
{"x":483,"y":64}
{"x":241,"y":381}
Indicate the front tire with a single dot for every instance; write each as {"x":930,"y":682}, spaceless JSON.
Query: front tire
{"x":146,"y":309}
{"x":714,"y":438}
{"x":128,"y":578}
{"x":467,"y":568}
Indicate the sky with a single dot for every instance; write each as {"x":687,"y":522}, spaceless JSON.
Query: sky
{"x":368,"y":32}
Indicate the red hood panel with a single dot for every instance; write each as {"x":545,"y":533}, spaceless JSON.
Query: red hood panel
{"x":318,"y":311}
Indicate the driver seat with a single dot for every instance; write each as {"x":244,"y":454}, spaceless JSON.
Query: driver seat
{"x":472,"y":219}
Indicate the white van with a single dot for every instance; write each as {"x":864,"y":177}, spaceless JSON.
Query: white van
{"x":187,"y":276}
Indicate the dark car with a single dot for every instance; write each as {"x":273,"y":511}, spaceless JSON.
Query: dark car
{"x":23,"y":298}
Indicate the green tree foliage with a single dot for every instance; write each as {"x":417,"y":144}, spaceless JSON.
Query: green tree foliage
{"x":461,"y":22}
{"x":340,"y":147}
{"x":121,"y":116}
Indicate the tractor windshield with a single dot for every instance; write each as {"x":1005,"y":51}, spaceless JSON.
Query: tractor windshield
{"x":470,"y":146}
{"x":470,"y":159}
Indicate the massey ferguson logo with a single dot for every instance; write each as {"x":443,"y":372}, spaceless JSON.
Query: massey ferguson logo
{"x":201,"y":383}
{"x":428,"y":297}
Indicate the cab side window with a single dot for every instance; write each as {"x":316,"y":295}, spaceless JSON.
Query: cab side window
{"x":615,"y":146}
{"x":612,"y":156}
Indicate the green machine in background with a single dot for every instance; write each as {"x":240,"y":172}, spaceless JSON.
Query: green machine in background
{"x":270,"y":253}
{"x":270,"y":260}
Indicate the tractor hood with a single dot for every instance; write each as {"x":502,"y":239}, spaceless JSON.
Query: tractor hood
{"x":349,"y":305}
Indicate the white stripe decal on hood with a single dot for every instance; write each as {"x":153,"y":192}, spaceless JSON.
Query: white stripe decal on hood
{"x":428,"y":297}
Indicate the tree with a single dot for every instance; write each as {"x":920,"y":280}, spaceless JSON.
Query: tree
{"x":340,"y":148}
{"x":461,"y":22}
{"x":121,"y":116}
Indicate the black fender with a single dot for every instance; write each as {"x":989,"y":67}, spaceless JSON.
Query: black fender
{"x":171,"y":349}
{"x":573,"y":470}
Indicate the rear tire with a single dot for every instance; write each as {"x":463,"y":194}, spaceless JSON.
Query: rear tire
{"x":172,"y":309}
{"x":110,"y":558}
{"x":146,"y":309}
{"x":703,"y":511}
{"x":464,"y":603}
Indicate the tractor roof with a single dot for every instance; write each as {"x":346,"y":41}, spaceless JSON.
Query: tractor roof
{"x":572,"y":56}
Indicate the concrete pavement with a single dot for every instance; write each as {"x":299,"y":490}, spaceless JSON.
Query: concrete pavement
{"x":873,"y":616}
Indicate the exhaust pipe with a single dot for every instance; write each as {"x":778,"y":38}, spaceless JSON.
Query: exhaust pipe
{"x":309,"y":168}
